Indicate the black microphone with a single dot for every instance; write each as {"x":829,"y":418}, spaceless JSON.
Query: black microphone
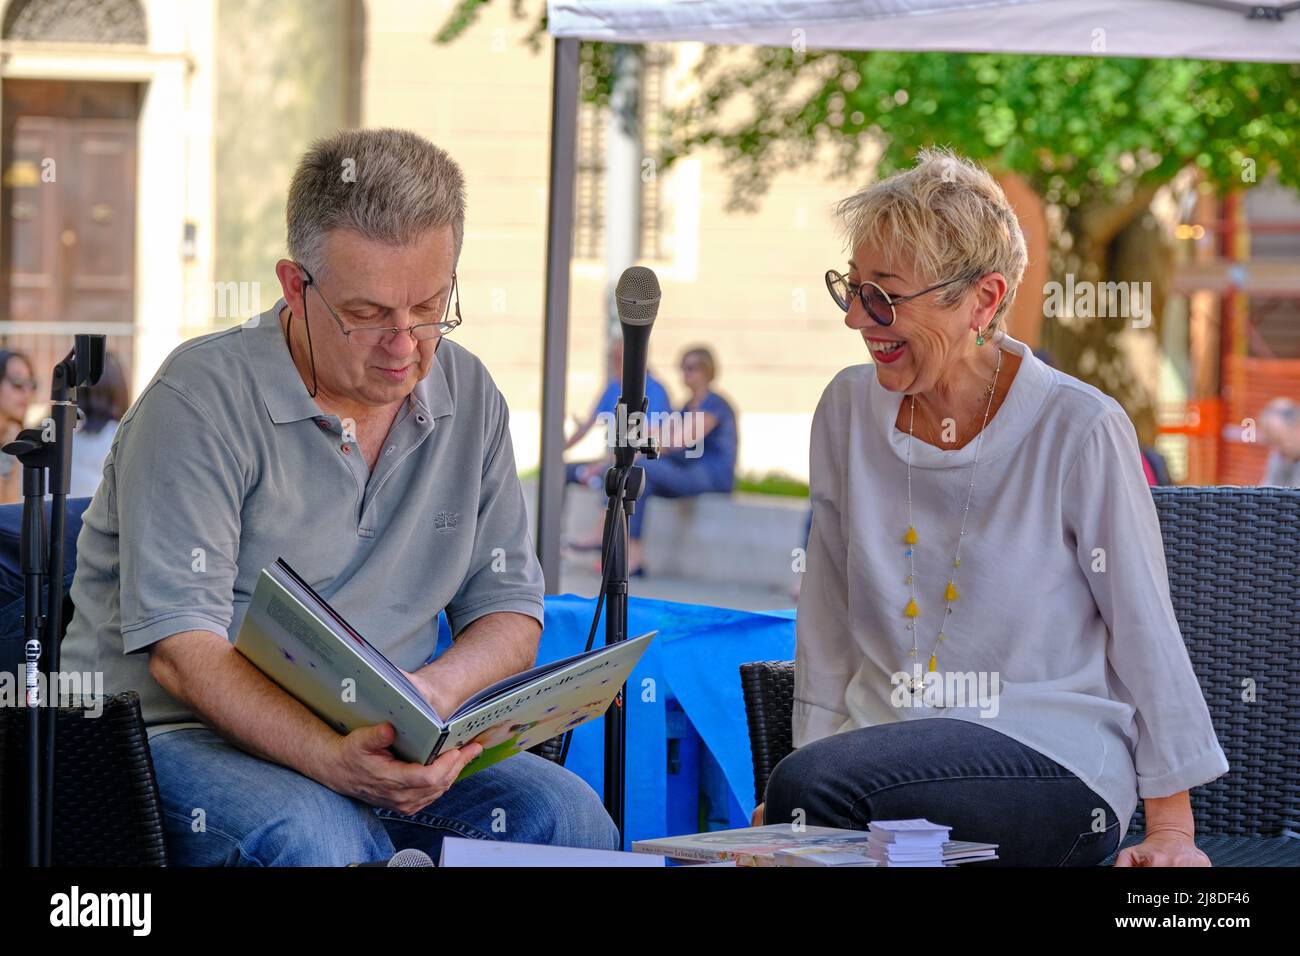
{"x":408,"y":857}
{"x":637,"y":299}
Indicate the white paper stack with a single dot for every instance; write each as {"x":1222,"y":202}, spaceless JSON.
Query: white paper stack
{"x":906,"y":842}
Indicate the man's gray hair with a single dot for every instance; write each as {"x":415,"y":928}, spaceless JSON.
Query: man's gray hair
{"x":390,"y":185}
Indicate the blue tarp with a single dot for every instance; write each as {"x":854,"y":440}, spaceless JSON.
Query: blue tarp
{"x":696,"y":659}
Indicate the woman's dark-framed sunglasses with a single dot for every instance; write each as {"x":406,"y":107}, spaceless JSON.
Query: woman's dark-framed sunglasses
{"x":878,"y":303}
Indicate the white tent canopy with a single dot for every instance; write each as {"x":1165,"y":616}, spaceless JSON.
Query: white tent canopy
{"x":1203,"y":29}
{"x":1265,"y":30}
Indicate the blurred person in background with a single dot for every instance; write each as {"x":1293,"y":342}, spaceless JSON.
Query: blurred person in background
{"x":1279,"y":428}
{"x":103,"y":404}
{"x":592,"y":473}
{"x":17,"y":385}
{"x":701,"y":458}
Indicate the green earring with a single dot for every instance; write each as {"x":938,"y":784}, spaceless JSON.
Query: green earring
{"x":979,"y":337}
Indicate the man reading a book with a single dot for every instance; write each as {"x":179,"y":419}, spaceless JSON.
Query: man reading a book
{"x":337,"y":430}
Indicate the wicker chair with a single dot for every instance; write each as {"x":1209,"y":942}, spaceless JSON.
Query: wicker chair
{"x":106,"y":806}
{"x":1232,"y":575}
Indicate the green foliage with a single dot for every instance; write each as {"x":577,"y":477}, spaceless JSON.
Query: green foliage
{"x":1095,"y":137}
{"x":597,"y":58}
{"x":1079,"y":129}
{"x":772,"y":483}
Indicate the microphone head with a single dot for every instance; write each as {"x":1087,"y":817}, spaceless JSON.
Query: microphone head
{"x":411,"y":857}
{"x":637,"y":296}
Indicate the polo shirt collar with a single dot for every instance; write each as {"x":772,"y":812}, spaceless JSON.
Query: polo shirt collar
{"x":286,"y":396}
{"x":432,"y":392}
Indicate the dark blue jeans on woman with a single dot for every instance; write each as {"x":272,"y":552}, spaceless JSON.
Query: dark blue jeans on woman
{"x":983,"y":784}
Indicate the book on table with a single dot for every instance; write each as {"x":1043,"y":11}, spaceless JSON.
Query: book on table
{"x":292,"y":635}
{"x":781,"y":844}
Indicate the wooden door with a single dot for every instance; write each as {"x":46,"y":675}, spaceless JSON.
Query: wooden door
{"x":67,"y":253}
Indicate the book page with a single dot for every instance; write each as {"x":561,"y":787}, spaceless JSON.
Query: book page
{"x":578,"y":690}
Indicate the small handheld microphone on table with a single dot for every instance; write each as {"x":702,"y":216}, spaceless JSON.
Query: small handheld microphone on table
{"x":637,"y":299}
{"x":408,"y":857}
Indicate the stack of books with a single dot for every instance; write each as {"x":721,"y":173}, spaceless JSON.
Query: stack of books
{"x":921,"y":843}
{"x":780,"y":844}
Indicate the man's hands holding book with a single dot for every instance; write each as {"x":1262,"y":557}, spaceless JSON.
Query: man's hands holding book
{"x":364,"y":768}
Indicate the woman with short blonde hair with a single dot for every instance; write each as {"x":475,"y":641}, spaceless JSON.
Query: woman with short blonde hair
{"x":985,"y":633}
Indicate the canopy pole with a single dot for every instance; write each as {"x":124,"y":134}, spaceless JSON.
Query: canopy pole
{"x":555,"y":334}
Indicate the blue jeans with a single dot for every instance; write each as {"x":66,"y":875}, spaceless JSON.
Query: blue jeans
{"x":225,"y":807}
{"x":988,"y":787}
{"x":676,"y":476}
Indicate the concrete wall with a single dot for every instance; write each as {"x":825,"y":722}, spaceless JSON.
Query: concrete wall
{"x":282,"y":81}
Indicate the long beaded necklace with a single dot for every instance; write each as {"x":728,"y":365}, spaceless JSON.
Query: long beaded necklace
{"x":911,"y":612}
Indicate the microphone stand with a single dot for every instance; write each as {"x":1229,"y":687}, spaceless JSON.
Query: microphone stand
{"x":42,"y":450}
{"x":624,"y":482}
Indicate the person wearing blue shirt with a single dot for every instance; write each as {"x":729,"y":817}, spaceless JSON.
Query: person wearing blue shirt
{"x":701,"y":459}
{"x":592,"y":473}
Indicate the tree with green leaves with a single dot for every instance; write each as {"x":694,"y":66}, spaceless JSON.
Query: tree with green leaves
{"x":1095,"y":137}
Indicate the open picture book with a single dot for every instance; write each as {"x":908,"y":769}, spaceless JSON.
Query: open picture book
{"x":296,"y":639}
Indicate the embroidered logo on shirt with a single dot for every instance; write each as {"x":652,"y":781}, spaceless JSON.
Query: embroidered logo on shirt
{"x":445,"y":520}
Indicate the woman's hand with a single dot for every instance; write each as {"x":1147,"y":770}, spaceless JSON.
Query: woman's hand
{"x":1163,"y":848}
{"x":1169,"y":835}
{"x":757,"y":819}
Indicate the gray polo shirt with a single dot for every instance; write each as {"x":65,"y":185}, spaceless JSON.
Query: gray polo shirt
{"x":225,"y":463}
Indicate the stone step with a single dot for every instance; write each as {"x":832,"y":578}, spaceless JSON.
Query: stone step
{"x":745,"y":539}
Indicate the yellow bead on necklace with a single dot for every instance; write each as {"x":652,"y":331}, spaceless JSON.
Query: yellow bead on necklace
{"x":910,"y":538}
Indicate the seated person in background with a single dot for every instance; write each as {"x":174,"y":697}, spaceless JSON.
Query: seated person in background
{"x":1279,"y":428}
{"x":699,"y":459}
{"x":103,"y":405}
{"x":341,"y":431}
{"x":592,"y":473}
{"x":17,"y":386}
{"x":985,"y":636}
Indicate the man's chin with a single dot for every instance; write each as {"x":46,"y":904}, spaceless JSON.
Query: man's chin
{"x":385,"y":393}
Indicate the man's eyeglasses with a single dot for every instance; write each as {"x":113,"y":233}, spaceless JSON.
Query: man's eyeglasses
{"x":369,"y":336}
{"x":878,"y":303}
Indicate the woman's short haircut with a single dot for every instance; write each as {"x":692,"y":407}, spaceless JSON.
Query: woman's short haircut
{"x":947,"y":217}
{"x":390,"y":185}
